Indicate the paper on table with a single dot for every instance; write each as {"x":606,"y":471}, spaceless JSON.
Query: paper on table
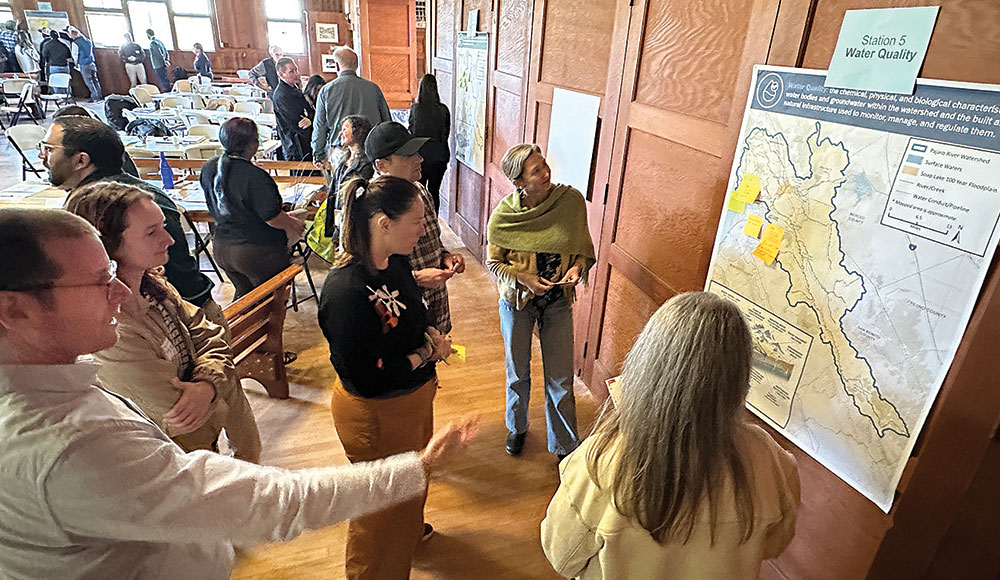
{"x":753,"y":225}
{"x":23,"y":190}
{"x":769,"y":244}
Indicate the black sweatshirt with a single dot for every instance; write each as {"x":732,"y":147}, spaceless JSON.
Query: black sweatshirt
{"x":373,"y":322}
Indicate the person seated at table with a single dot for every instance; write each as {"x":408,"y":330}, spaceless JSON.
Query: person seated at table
{"x":78,"y":151}
{"x":675,"y":482}
{"x":251,"y":230}
{"x":170,"y":360}
{"x":311,"y":90}
{"x":202,"y":65}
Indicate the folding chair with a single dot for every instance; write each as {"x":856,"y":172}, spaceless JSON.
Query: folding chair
{"x":302,"y":250}
{"x":26,"y":99}
{"x":25,"y":140}
{"x":57,"y":81}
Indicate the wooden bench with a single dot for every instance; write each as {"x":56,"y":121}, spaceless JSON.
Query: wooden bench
{"x":256,"y":322}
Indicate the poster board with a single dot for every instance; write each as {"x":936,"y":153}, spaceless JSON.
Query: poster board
{"x":889,"y":207}
{"x":573,"y":138}
{"x":470,"y":100}
{"x":39,"y":20}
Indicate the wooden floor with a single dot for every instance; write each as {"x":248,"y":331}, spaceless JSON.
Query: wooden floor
{"x":486,"y":507}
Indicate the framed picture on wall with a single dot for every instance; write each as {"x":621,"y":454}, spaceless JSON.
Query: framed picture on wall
{"x":328,"y":64}
{"x":327,"y":33}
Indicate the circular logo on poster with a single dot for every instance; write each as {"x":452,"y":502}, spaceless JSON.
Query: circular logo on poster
{"x":770,"y":89}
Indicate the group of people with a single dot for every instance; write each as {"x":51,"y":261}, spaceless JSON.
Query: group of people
{"x":672,"y":482}
{"x":133,"y":57}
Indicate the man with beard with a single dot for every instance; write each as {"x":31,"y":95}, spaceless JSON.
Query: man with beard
{"x":78,"y":150}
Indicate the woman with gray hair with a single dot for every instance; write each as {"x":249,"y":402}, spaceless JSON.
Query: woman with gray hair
{"x":539,"y":250}
{"x":674,"y":482}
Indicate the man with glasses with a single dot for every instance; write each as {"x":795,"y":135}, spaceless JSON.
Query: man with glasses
{"x":77,"y":151}
{"x":91,"y":487}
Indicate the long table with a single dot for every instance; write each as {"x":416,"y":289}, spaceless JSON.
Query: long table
{"x":178,"y":115}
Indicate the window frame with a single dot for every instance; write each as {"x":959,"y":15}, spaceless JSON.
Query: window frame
{"x":211,"y":23}
{"x":300,"y":21}
{"x":120,"y":11}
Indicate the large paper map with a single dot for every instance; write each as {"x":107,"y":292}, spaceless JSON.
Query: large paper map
{"x":889,"y":205}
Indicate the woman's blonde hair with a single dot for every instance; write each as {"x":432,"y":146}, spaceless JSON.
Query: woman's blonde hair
{"x":513,"y":160}
{"x":672,"y":433}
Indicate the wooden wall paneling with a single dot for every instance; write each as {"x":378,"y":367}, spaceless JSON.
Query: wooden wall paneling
{"x":345,"y":37}
{"x":444,"y":14}
{"x":471,"y":188}
{"x":965,"y":37}
{"x":680,"y":99}
{"x":558,"y":61}
{"x":389,"y":48}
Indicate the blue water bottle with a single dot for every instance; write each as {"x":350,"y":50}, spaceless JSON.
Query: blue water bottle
{"x":166,"y":173}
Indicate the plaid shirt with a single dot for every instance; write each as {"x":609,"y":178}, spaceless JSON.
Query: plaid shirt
{"x":9,"y":39}
{"x":429,"y":253}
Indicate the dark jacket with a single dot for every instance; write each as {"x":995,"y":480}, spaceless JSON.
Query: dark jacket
{"x":131,"y":53}
{"x":290,"y":105}
{"x":55,"y":53}
{"x":433,"y":122}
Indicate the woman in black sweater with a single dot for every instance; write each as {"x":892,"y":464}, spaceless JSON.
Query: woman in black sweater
{"x":383,"y":348}
{"x":429,"y":117}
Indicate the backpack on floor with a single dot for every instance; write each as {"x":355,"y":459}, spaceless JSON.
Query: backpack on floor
{"x":113,"y":107}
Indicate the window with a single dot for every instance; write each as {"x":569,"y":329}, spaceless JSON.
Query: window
{"x":103,"y":4}
{"x":284,"y":25}
{"x":106,"y":22}
{"x":192,"y":23}
{"x":5,"y":12}
{"x":150,"y":14}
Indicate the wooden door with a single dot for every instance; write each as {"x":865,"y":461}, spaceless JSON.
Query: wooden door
{"x":509,"y":25}
{"x":683,"y":87}
{"x":441,"y":32}
{"x":558,"y":33}
{"x":389,"y":48}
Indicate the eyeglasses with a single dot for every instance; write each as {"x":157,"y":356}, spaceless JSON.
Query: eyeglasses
{"x":112,"y":277}
{"x":47,"y":148}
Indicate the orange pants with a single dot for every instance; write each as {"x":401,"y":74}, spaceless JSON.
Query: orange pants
{"x":380,"y":546}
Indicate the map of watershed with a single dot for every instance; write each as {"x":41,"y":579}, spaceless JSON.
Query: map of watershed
{"x":856,"y":321}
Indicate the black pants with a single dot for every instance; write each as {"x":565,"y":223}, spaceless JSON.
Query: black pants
{"x":431,"y":175}
{"x":250,"y":265}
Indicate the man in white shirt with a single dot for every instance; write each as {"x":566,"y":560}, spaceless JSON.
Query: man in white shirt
{"x":92,"y":488}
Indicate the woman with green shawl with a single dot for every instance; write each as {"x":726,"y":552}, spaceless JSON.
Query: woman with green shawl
{"x":539,"y":250}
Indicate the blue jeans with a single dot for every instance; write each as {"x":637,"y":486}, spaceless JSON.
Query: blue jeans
{"x":60,"y":69}
{"x":89,"y":73}
{"x":161,"y":79}
{"x":555,"y":331}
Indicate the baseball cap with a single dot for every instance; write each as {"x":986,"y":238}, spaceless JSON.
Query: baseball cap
{"x":391,"y":138}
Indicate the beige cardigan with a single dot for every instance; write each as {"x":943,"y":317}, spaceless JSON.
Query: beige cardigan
{"x":138,"y":366}
{"x":584,"y":536}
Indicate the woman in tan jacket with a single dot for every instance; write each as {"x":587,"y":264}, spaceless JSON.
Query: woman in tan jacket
{"x":674,"y":482}
{"x":169,"y":359}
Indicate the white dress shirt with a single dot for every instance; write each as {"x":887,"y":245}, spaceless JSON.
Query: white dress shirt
{"x":91,"y":489}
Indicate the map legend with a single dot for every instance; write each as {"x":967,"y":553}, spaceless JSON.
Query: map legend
{"x":947,"y":194}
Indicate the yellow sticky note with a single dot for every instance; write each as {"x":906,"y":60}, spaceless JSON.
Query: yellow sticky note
{"x":458,"y":353}
{"x":753,"y":225}
{"x":767,"y":249}
{"x":735,"y":204}
{"x":749,"y":188}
